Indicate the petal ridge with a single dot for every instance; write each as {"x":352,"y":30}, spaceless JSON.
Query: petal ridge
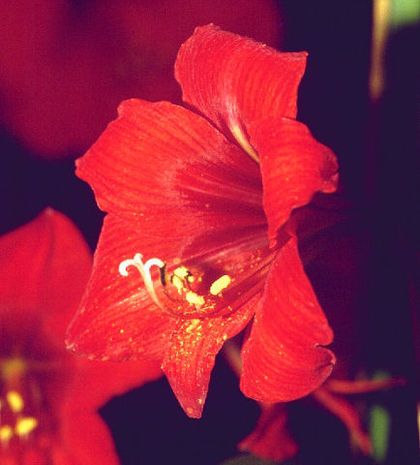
{"x":294,"y":166}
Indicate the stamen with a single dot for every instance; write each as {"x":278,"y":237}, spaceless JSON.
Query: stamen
{"x":194,"y":299}
{"x":144,"y":270}
{"x":222,"y":283}
{"x":25,"y":425}
{"x":15,"y":401}
{"x":6,"y":434}
{"x":13,"y":367}
{"x":189,"y":292}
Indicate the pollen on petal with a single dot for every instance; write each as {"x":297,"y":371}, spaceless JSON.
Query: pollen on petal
{"x":195,"y":324}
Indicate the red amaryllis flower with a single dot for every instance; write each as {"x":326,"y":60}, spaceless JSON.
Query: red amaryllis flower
{"x":48,"y":397}
{"x":197,"y":240}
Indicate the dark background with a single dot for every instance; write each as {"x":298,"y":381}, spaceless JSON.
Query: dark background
{"x":364,"y":271}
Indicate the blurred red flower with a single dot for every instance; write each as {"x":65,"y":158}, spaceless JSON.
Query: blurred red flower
{"x":197,"y":239}
{"x":48,"y":397}
{"x":65,"y":65}
{"x":272,"y":440}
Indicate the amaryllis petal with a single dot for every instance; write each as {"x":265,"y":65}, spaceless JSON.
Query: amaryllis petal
{"x":191,"y":355}
{"x":98,"y":381}
{"x":271,"y":439}
{"x":85,"y":440}
{"x":171,"y":170}
{"x":234,"y":80}
{"x":37,"y":261}
{"x":283,"y":358}
{"x":117,"y":319}
{"x":293,"y":167}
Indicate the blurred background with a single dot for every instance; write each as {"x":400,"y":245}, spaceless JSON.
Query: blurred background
{"x":64,"y":67}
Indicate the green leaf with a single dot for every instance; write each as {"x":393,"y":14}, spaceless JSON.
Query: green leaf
{"x":379,"y":427}
{"x":404,"y":12}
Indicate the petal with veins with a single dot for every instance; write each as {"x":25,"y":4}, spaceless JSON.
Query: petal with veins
{"x":294,"y":166}
{"x":191,"y":355}
{"x":174,"y":173}
{"x":283,"y":358}
{"x":234,"y":80}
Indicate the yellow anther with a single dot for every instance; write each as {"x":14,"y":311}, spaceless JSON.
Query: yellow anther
{"x":180,"y":278}
{"x":25,"y":425}
{"x":12,"y":368}
{"x":182,"y":272}
{"x":6,"y":433}
{"x":194,"y":299}
{"x":177,"y":282}
{"x":15,"y":400}
{"x":220,"y":284}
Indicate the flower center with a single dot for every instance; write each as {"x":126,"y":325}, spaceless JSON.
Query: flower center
{"x":220,"y":274}
{"x":25,"y":423}
{"x":190,"y":291}
{"x":15,"y":425}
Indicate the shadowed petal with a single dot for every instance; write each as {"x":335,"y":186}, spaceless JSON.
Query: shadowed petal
{"x":191,"y":355}
{"x":293,"y":166}
{"x":172,"y":172}
{"x":234,"y":80}
{"x":349,"y":415}
{"x":282,"y":358}
{"x":271,"y":439}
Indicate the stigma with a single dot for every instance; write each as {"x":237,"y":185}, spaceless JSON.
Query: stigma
{"x":144,"y":270}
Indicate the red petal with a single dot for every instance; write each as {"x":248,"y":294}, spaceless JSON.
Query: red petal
{"x":174,"y":173}
{"x":84,"y":439}
{"x":362,"y":386}
{"x":282,"y":358}
{"x":117,"y":320}
{"x":191,"y":355}
{"x":44,"y":267}
{"x":271,"y":439}
{"x":234,"y":80}
{"x":293,"y":165}
{"x":94,"y":383}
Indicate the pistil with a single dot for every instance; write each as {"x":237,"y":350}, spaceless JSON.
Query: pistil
{"x":188,"y":292}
